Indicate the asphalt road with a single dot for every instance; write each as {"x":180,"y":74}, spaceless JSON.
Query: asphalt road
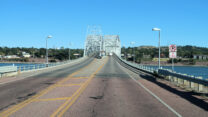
{"x":98,"y":88}
{"x":112,"y":93}
{"x":18,"y":91}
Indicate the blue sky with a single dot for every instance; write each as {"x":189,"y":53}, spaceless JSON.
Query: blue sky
{"x":26,"y":23}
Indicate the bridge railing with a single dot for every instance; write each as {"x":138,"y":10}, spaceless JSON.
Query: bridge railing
{"x":188,"y":82}
{"x":26,"y":68}
{"x":7,"y":69}
{"x":13,"y":70}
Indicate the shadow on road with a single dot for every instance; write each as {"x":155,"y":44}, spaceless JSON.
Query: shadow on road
{"x":186,"y":95}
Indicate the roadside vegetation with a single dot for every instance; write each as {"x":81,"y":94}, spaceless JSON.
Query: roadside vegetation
{"x":185,"y":54}
{"x":39,"y":53}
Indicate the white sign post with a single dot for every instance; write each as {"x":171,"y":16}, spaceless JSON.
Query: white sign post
{"x":172,"y":54}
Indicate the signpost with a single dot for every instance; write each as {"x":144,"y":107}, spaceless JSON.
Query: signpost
{"x":172,"y":54}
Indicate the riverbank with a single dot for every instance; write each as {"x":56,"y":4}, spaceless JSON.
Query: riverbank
{"x":30,"y":61}
{"x":163,"y":63}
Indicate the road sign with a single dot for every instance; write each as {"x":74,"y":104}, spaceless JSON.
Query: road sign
{"x":172,"y":55}
{"x":172,"y":51}
{"x":172,"y":48}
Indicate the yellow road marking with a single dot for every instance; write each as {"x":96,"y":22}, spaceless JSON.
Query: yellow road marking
{"x":63,"y":105}
{"x":68,"y":85}
{"x":28,"y":102}
{"x":80,"y":78}
{"x":71,"y":102}
{"x":75,"y":97}
{"x":52,"y":99}
{"x":10,"y":110}
{"x":17,"y":107}
{"x":67,"y":101}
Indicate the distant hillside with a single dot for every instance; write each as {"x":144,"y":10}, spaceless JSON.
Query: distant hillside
{"x":182,"y":51}
{"x":56,"y":54}
{"x":146,"y":47}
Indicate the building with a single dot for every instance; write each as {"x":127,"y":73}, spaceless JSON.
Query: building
{"x":200,"y":57}
{"x":26,"y":55}
{"x":11,"y":57}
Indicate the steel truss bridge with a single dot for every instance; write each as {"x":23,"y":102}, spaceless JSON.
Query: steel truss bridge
{"x":104,"y":45}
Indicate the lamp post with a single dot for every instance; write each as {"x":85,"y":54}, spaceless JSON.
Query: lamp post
{"x":49,"y":36}
{"x":157,"y":29}
{"x":132,"y":43}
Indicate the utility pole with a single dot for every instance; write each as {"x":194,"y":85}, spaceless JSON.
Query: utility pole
{"x":157,"y":29}
{"x":47,"y":48}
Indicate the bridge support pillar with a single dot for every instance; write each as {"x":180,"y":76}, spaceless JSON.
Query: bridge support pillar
{"x":196,"y":87}
{"x":205,"y":89}
{"x":192,"y":85}
{"x":186,"y":84}
{"x":200,"y":88}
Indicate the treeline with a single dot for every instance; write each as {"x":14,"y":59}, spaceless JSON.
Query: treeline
{"x":182,"y":52}
{"x":56,"y":54}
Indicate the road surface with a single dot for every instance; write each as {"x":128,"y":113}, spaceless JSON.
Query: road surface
{"x":98,"y":88}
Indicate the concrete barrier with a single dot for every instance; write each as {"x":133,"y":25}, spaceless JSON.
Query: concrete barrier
{"x":6,"y":71}
{"x":183,"y":80}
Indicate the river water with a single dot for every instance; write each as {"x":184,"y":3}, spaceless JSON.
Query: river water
{"x":196,"y":71}
{"x":17,"y":64}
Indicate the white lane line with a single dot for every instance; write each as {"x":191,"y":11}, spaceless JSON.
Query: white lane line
{"x":155,"y":96}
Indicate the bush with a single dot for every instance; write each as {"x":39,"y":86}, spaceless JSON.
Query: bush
{"x":174,"y":60}
{"x":138,"y":60}
{"x":18,"y":59}
{"x":52,"y":61}
{"x":192,"y":61}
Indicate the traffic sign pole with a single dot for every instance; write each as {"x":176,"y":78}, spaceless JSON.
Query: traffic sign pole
{"x":172,"y":65}
{"x":172,"y":54}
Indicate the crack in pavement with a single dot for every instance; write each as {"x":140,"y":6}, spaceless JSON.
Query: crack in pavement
{"x":19,"y":99}
{"x":99,"y":98}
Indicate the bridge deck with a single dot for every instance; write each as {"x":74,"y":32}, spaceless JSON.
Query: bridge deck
{"x":101,"y":87}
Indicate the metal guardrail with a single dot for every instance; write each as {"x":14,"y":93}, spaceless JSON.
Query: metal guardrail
{"x":186,"y":81}
{"x":41,"y":66}
{"x":7,"y":69}
{"x":143,"y":68}
{"x":198,"y":80}
{"x":24,"y":68}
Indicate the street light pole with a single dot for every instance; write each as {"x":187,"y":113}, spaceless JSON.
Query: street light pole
{"x":157,"y":29}
{"x":47,"y":48}
{"x":159,"y":50}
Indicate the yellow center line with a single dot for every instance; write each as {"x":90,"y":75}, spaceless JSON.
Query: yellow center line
{"x":22,"y":104}
{"x":80,"y":78}
{"x":68,"y":85}
{"x":52,"y":99}
{"x":28,"y":102}
{"x":59,"y":112}
{"x":17,"y":107}
{"x":67,"y":101}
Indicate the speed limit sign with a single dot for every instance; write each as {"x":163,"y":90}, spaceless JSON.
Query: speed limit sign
{"x":172,"y":48}
{"x":172,"y":51}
